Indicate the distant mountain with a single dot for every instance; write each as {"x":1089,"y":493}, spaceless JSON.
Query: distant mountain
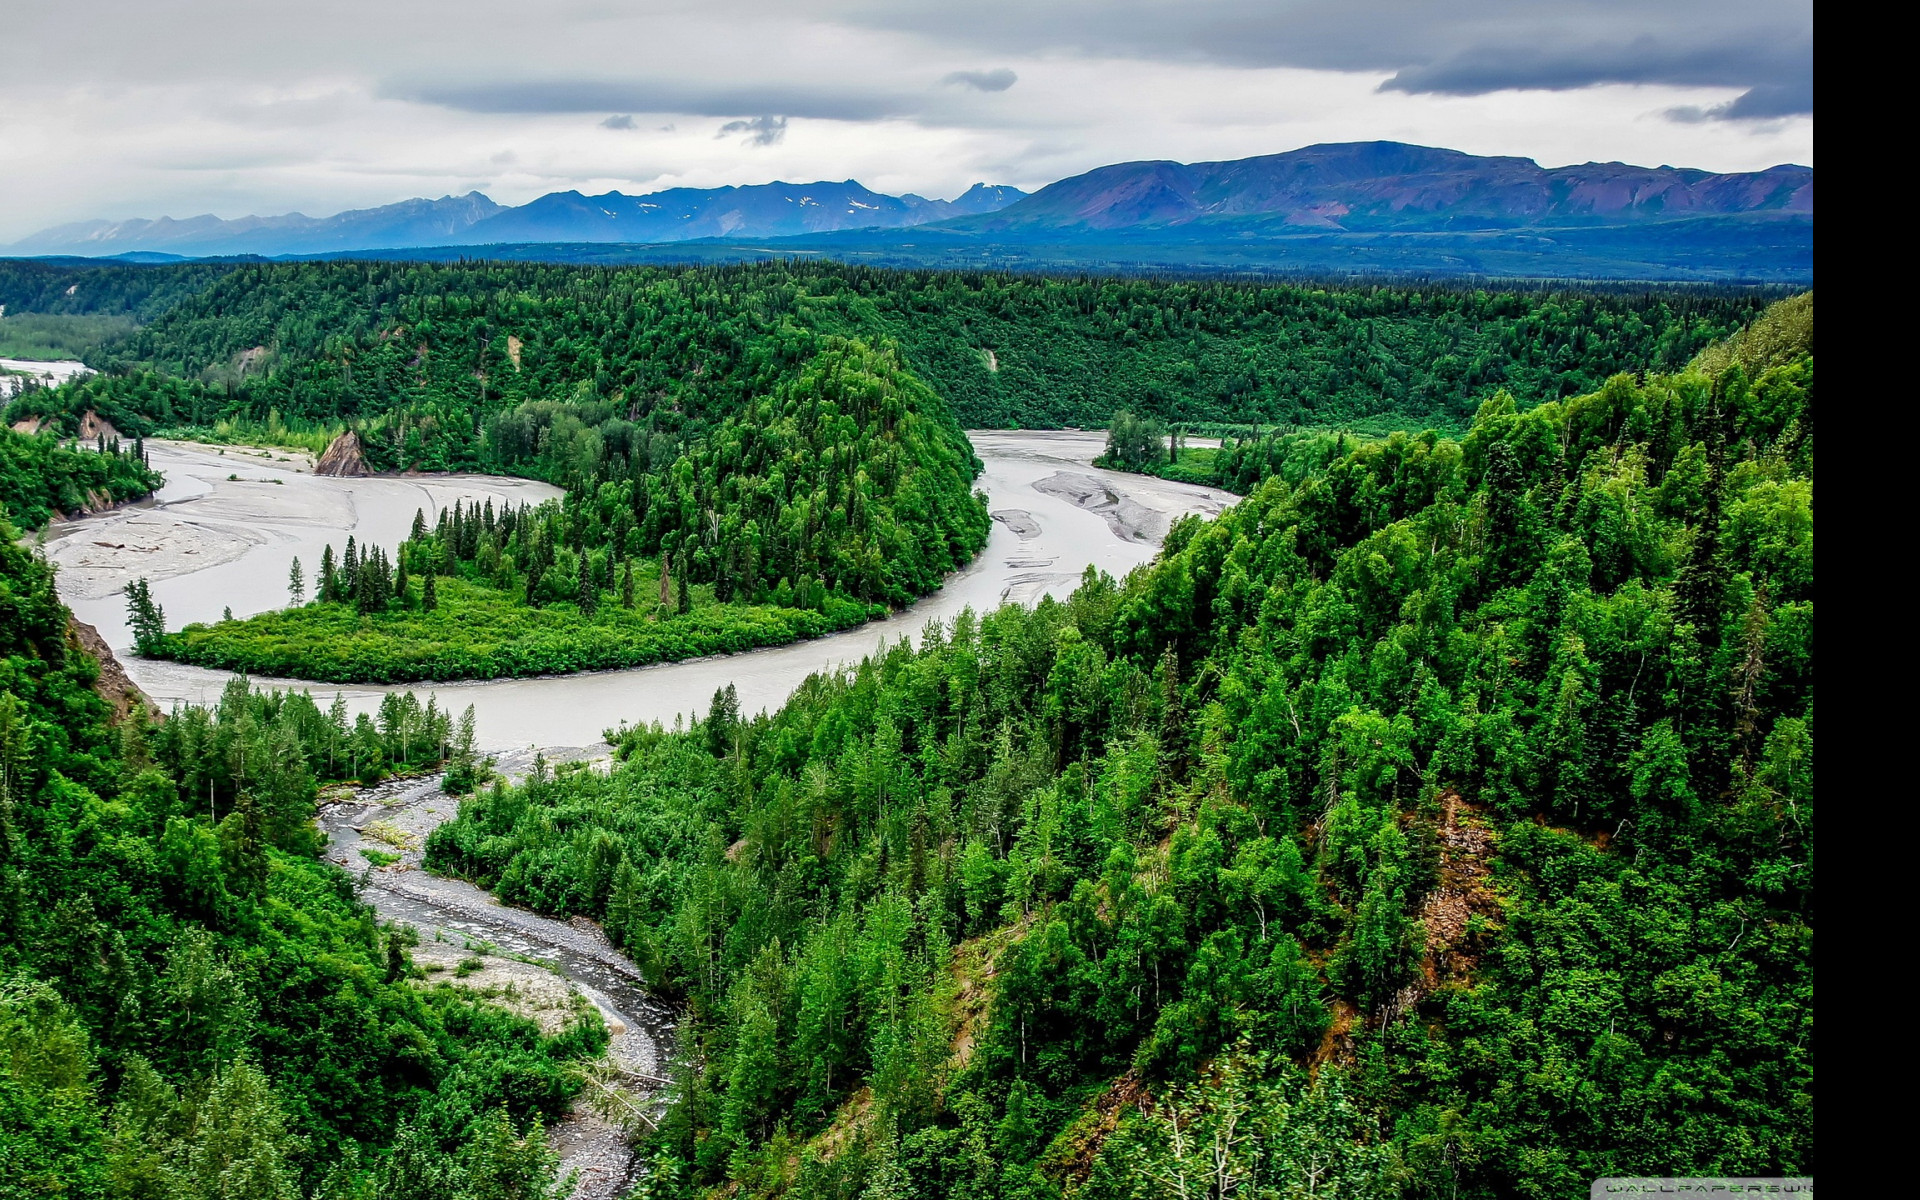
{"x":677,"y":214}
{"x":408,"y":223}
{"x":756,"y":211}
{"x":1353,"y":208}
{"x":1375,"y":186}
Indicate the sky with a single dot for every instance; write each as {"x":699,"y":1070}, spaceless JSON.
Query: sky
{"x":136,"y":108}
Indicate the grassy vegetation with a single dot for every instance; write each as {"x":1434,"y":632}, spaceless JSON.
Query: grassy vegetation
{"x":481,"y":632}
{"x":311,"y":436}
{"x":45,"y":336}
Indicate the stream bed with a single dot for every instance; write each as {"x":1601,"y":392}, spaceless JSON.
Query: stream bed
{"x":474,"y":927}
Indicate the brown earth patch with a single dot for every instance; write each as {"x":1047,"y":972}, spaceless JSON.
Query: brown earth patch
{"x":975,"y":963}
{"x":1467,"y":846}
{"x":1071,"y":1158}
{"x":1336,"y":1044}
{"x":94,"y":426}
{"x":849,"y":1124}
{"x":113,"y":685}
{"x":345,"y":457}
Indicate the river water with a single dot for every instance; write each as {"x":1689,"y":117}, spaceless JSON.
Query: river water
{"x":15,"y":373}
{"x":226,"y":527}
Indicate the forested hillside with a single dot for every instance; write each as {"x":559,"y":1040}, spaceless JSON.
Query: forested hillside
{"x":193,"y":1006}
{"x":763,"y":434}
{"x":1436,"y":822}
{"x":801,"y":479}
{"x":40,"y":477}
{"x":343,"y":341}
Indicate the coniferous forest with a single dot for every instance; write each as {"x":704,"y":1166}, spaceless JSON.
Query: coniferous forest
{"x":782,"y":443}
{"x":192,"y":1004}
{"x":1435,"y":822}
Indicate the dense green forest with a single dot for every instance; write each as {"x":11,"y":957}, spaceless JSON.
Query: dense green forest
{"x":42,"y":336}
{"x":1145,"y":444}
{"x":80,"y":287}
{"x":357,"y":340}
{"x":193,"y":1006}
{"x":1436,"y":822}
{"x":763,"y":431}
{"x":40,"y":477}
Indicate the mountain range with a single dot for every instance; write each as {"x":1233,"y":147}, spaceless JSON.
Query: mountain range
{"x":677,"y":214}
{"x":1358,"y":186}
{"x":1344,"y":207}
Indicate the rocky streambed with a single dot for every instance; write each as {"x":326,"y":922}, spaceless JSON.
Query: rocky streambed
{"x":539,"y":967}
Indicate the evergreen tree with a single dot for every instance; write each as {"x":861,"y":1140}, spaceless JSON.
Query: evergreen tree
{"x":146,"y":619}
{"x":296,"y":583}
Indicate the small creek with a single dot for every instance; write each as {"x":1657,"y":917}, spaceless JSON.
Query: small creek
{"x":455,"y":912}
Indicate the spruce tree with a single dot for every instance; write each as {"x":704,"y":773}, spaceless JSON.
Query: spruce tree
{"x":147,"y":620}
{"x":296,"y":583}
{"x":588,"y":600}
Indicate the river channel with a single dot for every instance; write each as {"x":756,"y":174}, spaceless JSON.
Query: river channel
{"x":224,"y":530}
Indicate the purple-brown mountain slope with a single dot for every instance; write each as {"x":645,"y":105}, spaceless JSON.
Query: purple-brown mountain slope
{"x":1391,"y":185}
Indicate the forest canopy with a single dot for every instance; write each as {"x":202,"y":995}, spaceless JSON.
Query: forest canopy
{"x":324,"y":341}
{"x":1440,"y":817}
{"x":195,"y":1006}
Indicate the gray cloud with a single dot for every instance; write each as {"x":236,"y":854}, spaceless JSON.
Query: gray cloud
{"x":124,"y":111}
{"x":760,"y":131}
{"x":1785,"y":63}
{"x":997,"y":80}
{"x":621,"y":121}
{"x":1773,"y":100}
{"x":697,"y":99}
{"x":1463,"y":47}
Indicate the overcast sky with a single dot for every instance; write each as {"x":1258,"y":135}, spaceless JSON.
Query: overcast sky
{"x":124,"y":108}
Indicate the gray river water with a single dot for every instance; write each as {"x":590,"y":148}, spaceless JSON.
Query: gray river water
{"x":229,"y":522}
{"x":226,"y":527}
